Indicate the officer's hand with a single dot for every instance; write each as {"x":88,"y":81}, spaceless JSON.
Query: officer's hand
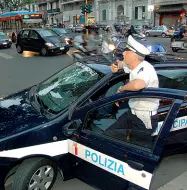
{"x":120,"y":64}
{"x":114,"y":68}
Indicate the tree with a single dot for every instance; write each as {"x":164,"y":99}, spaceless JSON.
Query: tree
{"x":14,"y":5}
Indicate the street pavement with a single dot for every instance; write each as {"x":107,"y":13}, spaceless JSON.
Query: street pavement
{"x":20,"y":71}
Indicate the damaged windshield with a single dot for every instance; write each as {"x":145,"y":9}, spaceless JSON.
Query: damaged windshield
{"x":62,"y":89}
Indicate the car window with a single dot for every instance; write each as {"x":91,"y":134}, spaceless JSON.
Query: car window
{"x":155,"y":28}
{"x":25,"y":34}
{"x":160,"y":28}
{"x":62,"y":89}
{"x":60,"y":31}
{"x":175,"y":79}
{"x":33,"y":34}
{"x":46,"y":33}
{"x":107,"y":120}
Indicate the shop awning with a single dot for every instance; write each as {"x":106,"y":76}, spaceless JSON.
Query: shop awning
{"x":170,"y":8}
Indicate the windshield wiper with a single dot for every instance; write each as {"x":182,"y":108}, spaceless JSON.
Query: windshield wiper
{"x":40,"y":102}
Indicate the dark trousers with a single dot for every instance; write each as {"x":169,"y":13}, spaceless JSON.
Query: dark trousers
{"x":130,"y":121}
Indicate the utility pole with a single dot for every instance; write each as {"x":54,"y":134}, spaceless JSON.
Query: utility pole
{"x":86,"y":9}
{"x":86,"y":19}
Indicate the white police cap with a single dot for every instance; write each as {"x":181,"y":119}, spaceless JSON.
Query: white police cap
{"x":137,"y":47}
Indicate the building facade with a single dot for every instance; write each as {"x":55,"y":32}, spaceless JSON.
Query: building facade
{"x":72,"y":12}
{"x":124,"y":11}
{"x":170,"y":12}
{"x":51,"y":11}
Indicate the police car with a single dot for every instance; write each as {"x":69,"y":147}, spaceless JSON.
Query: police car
{"x":60,"y":125}
{"x":158,"y":53}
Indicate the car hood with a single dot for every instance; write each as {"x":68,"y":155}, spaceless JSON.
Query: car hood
{"x":17,"y":114}
{"x":4,"y":38}
{"x":71,"y":36}
{"x":53,"y":39}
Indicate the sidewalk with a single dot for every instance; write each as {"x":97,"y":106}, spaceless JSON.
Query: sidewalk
{"x":179,"y":183}
{"x":171,"y":174}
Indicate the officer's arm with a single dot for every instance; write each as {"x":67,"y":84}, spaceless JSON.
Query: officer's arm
{"x":134,"y":85}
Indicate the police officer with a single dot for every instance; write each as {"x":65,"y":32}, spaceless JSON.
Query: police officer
{"x":142,"y":114}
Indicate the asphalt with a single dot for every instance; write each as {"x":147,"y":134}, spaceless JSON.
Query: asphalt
{"x":20,"y":71}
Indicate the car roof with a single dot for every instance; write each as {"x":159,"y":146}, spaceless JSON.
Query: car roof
{"x":105,"y":67}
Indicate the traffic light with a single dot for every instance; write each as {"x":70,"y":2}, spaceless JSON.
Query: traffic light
{"x":83,"y":9}
{"x":89,"y":8}
{"x":86,"y":8}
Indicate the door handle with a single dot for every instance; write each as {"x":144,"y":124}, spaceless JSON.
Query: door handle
{"x":135,"y":165}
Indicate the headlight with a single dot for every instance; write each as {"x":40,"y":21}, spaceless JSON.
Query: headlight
{"x":111,"y":47}
{"x":67,"y":40}
{"x":9,"y":40}
{"x":49,"y":44}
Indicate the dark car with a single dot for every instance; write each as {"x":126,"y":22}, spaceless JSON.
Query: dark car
{"x":40,"y":40}
{"x":63,"y":33}
{"x":5,"y":41}
{"x":60,"y":125}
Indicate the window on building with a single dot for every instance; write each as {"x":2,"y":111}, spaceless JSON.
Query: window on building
{"x":140,"y":13}
{"x":104,"y":14}
{"x":33,"y":8}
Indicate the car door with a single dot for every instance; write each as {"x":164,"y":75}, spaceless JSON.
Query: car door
{"x":153,"y":31}
{"x":105,"y":159}
{"x":34,"y":40}
{"x":24,"y":42}
{"x":159,"y":31}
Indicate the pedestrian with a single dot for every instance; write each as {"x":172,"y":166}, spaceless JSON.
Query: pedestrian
{"x":142,"y":113}
{"x":13,"y":37}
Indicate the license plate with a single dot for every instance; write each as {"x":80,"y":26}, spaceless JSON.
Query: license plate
{"x":61,"y":48}
{"x":177,"y":44}
{"x":5,"y":43}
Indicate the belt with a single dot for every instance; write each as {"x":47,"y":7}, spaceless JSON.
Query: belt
{"x":151,"y":113}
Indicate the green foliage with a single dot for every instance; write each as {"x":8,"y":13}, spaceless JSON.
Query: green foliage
{"x":14,"y":5}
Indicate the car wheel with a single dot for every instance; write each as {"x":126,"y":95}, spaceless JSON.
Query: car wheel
{"x":9,"y":46}
{"x":19,"y":49}
{"x":175,"y":49}
{"x":147,"y":34}
{"x":35,"y":173}
{"x":44,"y":51}
{"x":163,"y":35}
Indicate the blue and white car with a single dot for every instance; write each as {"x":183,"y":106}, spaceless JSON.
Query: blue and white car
{"x":60,"y":125}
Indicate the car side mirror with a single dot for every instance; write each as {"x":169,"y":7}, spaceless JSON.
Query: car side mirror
{"x":71,"y":127}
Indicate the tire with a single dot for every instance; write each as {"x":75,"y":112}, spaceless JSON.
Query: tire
{"x":28,"y":174}
{"x":175,"y":49}
{"x":9,"y":46}
{"x":147,"y":34}
{"x":44,"y":51}
{"x":163,"y":35}
{"x":19,"y":49}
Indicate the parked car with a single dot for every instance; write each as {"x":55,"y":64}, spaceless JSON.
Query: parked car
{"x":59,"y":125}
{"x":63,"y":33}
{"x":40,"y":40}
{"x":162,"y":31}
{"x":5,"y":41}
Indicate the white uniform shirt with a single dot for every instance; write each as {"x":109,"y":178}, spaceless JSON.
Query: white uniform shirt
{"x":142,"y":106}
{"x":146,"y":72}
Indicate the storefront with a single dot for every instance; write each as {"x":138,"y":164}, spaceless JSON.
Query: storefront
{"x":170,"y":15}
